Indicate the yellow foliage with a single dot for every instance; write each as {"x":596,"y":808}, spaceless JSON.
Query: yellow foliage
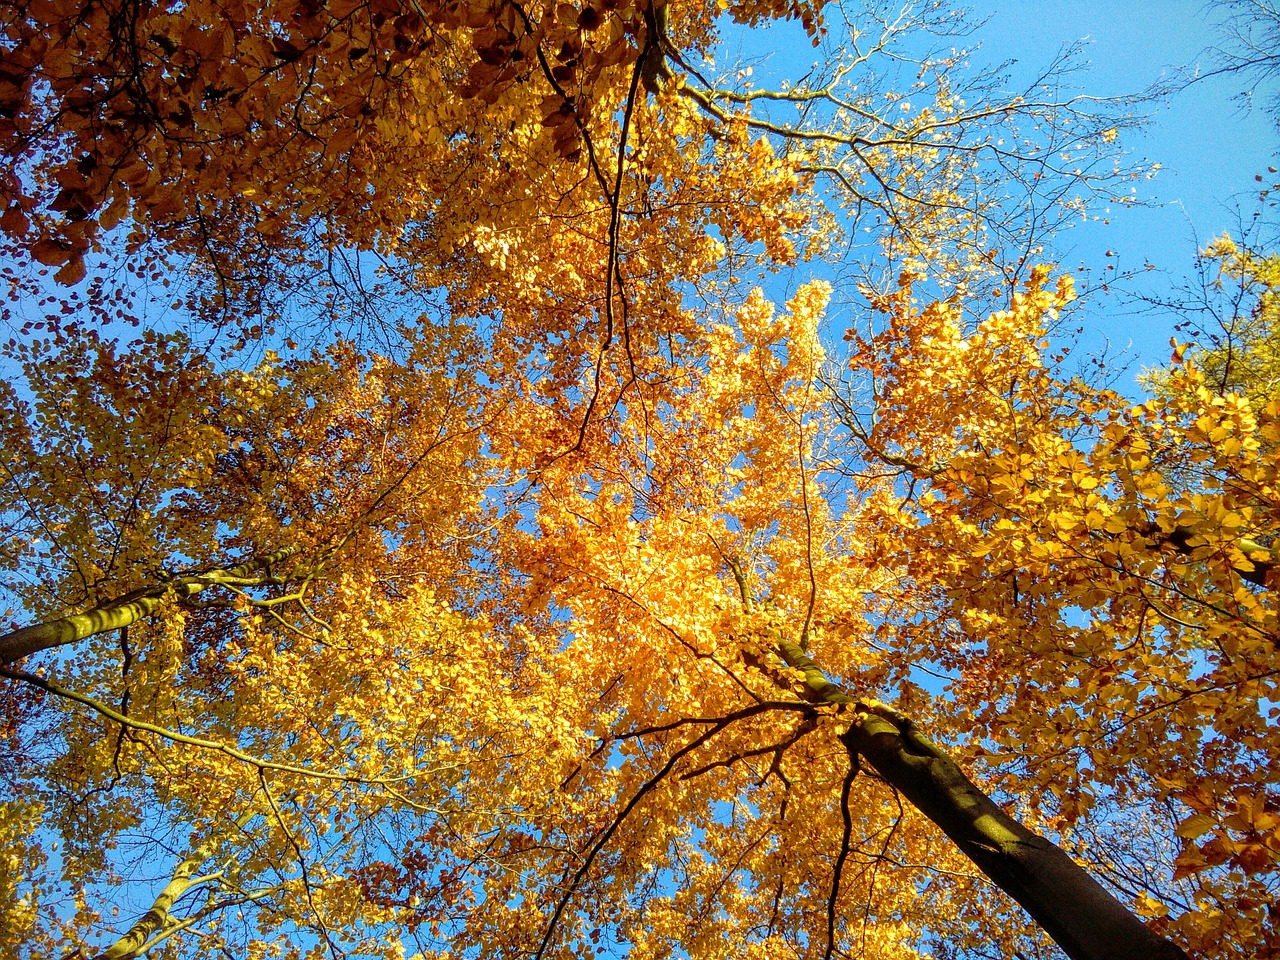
{"x":528,"y":610}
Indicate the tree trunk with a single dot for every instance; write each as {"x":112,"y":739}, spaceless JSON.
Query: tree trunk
{"x":127,"y":609}
{"x":1068,"y":904}
{"x":158,"y":921}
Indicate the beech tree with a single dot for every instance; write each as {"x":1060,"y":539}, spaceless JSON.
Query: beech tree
{"x":581,"y":609}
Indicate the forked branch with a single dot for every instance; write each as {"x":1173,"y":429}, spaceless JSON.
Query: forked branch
{"x":135,"y":605}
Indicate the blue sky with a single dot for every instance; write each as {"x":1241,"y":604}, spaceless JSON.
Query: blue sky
{"x":1209,"y":146}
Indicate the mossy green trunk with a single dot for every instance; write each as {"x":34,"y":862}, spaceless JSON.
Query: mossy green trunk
{"x":127,"y":609}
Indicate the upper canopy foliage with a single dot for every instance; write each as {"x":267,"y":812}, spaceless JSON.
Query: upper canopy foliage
{"x":536,"y":606}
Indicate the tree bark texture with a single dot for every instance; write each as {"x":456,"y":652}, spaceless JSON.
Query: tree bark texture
{"x":1068,"y":904}
{"x":127,"y":609}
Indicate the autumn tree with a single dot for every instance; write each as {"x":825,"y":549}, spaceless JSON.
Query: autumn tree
{"x":570,"y":615}
{"x":1104,"y":580}
{"x":182,"y":710}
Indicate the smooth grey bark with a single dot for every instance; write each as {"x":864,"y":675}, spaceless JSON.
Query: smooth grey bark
{"x":1068,"y":904}
{"x":1261,"y":561}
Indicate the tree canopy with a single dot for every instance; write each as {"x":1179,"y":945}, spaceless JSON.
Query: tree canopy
{"x":481,"y":480}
